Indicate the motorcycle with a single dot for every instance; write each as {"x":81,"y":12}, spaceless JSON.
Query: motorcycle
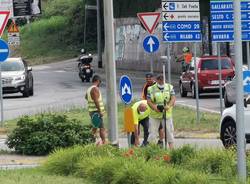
{"x":84,"y":66}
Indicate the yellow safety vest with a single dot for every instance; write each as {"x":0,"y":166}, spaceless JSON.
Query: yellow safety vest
{"x":157,"y":97}
{"x":136,"y":115}
{"x":91,"y":103}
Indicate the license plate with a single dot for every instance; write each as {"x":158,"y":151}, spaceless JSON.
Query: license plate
{"x":217,"y":82}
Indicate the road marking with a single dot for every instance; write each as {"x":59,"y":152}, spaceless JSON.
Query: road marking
{"x":201,"y":108}
{"x":60,"y":71}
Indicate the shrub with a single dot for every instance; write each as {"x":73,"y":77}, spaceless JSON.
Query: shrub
{"x":46,"y":132}
{"x":211,"y":161}
{"x":181,"y":155}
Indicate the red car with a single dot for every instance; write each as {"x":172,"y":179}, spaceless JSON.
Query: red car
{"x":208,"y":75}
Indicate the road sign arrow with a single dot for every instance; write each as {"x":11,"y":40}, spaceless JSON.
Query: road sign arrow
{"x":4,"y":17}
{"x":151,"y":44}
{"x":165,"y":5}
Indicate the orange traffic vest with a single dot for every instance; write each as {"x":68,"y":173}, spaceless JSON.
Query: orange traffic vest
{"x":188,"y":58}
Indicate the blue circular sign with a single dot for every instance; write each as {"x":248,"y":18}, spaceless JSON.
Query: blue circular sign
{"x":126,"y":91}
{"x":4,"y":50}
{"x":151,"y":44}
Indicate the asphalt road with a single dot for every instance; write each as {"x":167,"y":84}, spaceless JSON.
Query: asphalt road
{"x":58,"y":87}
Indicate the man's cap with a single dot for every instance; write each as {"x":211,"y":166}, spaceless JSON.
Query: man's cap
{"x":148,"y":75}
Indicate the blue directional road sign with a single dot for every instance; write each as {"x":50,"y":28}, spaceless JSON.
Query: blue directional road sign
{"x":4,"y":50}
{"x":126,"y":91}
{"x":222,"y":26}
{"x":151,"y":44}
{"x":181,"y":26}
{"x":181,"y":36}
{"x":246,"y":81}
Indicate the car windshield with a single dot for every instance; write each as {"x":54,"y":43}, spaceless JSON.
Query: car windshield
{"x":212,"y":64}
{"x":9,"y":66}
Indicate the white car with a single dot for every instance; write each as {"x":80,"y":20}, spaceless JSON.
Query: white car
{"x":228,"y":124}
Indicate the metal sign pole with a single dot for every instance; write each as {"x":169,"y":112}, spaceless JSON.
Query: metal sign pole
{"x":196,"y":87}
{"x":220,"y":82}
{"x":1,"y":94}
{"x":248,"y":55}
{"x":169,"y":64}
{"x":240,"y":127}
{"x":110,"y":67}
{"x":151,"y":63}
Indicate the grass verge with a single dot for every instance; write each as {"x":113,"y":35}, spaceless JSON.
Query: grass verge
{"x":184,"y":120}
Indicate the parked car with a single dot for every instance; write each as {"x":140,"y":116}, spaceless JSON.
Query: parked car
{"x":228,"y":124}
{"x":17,"y":77}
{"x":229,"y":90}
{"x":208,"y":75}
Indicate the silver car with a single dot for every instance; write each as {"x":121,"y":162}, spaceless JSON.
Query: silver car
{"x":229,"y":90}
{"x":17,"y":77}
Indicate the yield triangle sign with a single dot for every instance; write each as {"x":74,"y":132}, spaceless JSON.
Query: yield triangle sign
{"x":13,"y":28}
{"x":149,"y":20}
{"x":4,"y":17}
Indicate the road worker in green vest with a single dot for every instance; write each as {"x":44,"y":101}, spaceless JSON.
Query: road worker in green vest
{"x":161,"y":99}
{"x":96,"y":108}
{"x":141,"y":112}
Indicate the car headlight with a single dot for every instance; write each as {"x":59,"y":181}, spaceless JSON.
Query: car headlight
{"x":20,"y":78}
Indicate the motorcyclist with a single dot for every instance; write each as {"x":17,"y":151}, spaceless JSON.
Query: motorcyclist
{"x":185,"y":59}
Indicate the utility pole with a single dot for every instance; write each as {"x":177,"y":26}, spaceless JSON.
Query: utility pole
{"x":99,"y":34}
{"x":240,"y":128}
{"x":110,"y":67}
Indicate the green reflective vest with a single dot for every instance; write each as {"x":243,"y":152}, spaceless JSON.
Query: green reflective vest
{"x":136,"y":115}
{"x":158,"y":96}
{"x":91,"y":103}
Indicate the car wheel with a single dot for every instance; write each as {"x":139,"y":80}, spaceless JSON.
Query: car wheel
{"x":228,"y":133}
{"x":182,"y":91}
{"x":193,"y":91}
{"x":226,"y":102}
{"x":26,"y":92}
{"x":31,"y":90}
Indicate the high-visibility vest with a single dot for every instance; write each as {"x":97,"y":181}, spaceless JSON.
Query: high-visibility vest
{"x":188,"y":58}
{"x":158,"y":97}
{"x":91,"y":103}
{"x":136,"y":115}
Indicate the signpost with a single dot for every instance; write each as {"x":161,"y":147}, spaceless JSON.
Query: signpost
{"x":181,"y":23}
{"x":4,"y":17}
{"x":13,"y":35}
{"x":126,"y":94}
{"x":246,"y":81}
{"x":4,"y":54}
{"x":126,"y":91}
{"x":151,"y":43}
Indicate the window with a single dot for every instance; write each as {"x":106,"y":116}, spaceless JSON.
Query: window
{"x":9,"y":66}
{"x":212,"y":64}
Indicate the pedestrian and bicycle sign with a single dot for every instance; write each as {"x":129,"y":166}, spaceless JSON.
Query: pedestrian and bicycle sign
{"x":181,"y":21}
{"x":222,"y":25}
{"x":126,"y":91}
{"x":151,"y":44}
{"x":4,"y":50}
{"x":246,"y":81}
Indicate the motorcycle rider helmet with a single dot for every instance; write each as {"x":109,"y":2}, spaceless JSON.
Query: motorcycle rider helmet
{"x":83,"y":51}
{"x":185,"y":49}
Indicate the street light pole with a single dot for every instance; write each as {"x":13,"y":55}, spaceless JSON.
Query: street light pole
{"x":99,"y":37}
{"x":110,"y":71}
{"x":240,"y":128}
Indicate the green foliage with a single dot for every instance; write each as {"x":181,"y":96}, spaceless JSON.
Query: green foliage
{"x":220,"y":162}
{"x":46,"y":132}
{"x":181,"y":155}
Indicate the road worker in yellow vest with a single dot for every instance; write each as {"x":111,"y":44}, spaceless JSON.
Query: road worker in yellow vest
{"x":161,"y":99}
{"x":96,"y":107}
{"x":141,"y":112}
